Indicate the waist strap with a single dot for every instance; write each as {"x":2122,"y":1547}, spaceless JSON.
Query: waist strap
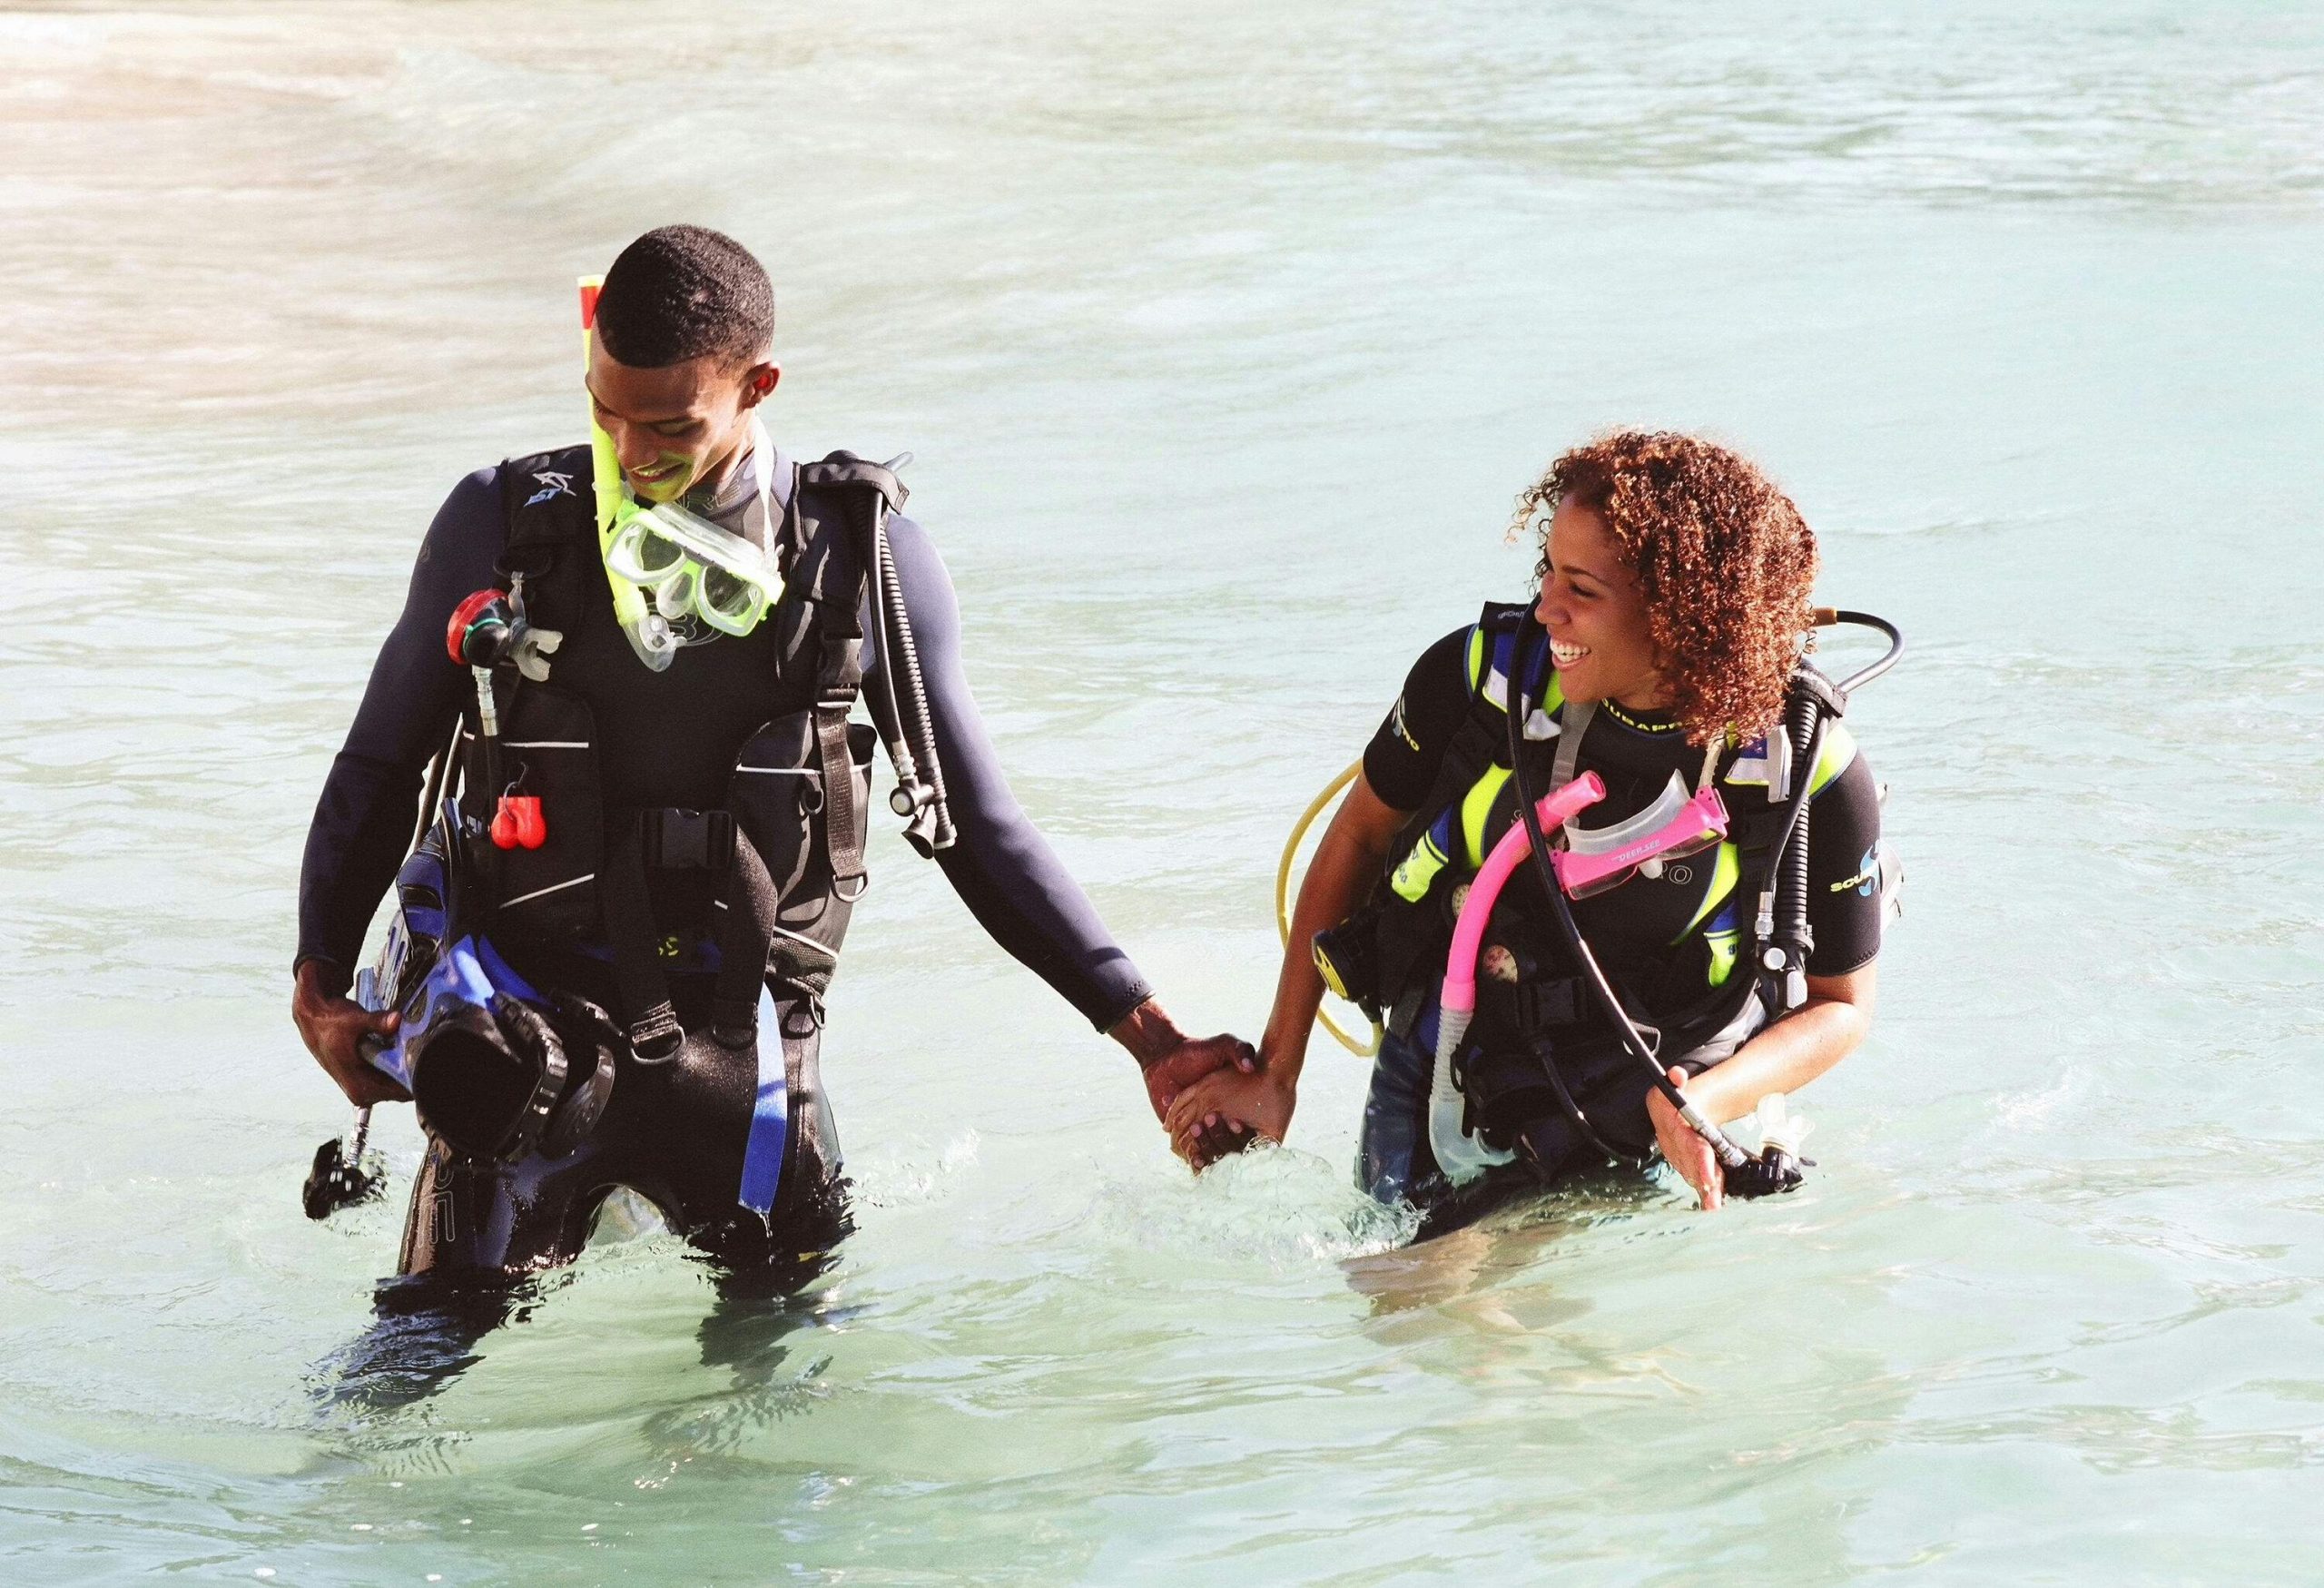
{"x":671,"y":839}
{"x":654,"y":1034}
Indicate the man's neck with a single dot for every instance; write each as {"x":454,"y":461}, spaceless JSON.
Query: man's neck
{"x":718,"y":482}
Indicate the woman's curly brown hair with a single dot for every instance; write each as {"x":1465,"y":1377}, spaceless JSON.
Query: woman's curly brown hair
{"x":1725,"y":560}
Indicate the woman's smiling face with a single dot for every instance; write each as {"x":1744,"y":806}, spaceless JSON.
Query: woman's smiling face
{"x":1595,"y":611}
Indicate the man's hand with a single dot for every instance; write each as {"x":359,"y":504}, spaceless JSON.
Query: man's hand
{"x":1225,"y":1108}
{"x":1188,"y":1062}
{"x":1169,"y":1059}
{"x":1687,"y":1151}
{"x":333,"y":1028}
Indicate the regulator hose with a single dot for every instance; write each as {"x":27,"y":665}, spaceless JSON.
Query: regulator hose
{"x":439,"y":773}
{"x":432,"y":789}
{"x":1804,"y":727}
{"x":1831,"y":617}
{"x":1363,"y":1048}
{"x":936,"y":832}
{"x":1632,"y":1040}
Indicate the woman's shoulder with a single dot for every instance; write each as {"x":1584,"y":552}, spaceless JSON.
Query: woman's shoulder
{"x":1449,"y":672}
{"x":1477,"y":651}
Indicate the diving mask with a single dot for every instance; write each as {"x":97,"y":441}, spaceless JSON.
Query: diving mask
{"x":1599,"y":860}
{"x":692,"y":565}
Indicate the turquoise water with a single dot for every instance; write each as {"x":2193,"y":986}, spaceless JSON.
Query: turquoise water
{"x":1224,"y":337}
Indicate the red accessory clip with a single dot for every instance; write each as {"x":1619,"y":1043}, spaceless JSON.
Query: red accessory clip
{"x":518,"y":822}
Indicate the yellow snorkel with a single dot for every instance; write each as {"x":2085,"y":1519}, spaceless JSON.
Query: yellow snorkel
{"x":649,"y":636}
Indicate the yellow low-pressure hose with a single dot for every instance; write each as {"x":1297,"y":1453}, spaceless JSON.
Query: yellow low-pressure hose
{"x":1317,"y":807}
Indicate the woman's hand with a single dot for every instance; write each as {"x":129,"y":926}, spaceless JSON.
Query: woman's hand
{"x":1241,"y":1103}
{"x":1783,"y":1058}
{"x":1686,"y":1150}
{"x":1171,"y":1061}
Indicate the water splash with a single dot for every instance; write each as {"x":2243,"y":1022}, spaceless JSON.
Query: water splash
{"x":911,"y":1174}
{"x":1277,"y":1206}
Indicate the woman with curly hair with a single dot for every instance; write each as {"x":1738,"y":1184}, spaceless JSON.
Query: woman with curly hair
{"x":1675,"y":580}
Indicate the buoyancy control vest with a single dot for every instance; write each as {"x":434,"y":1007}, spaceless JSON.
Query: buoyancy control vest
{"x":1684,"y":947}
{"x":710,"y":815}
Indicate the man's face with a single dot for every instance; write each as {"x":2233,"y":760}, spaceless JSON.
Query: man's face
{"x":677,"y":425}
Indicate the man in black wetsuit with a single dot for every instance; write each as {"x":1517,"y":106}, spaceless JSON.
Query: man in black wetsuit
{"x":695,"y":754}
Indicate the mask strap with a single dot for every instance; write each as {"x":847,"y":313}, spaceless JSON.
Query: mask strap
{"x":1573,"y":724}
{"x":762,"y":458}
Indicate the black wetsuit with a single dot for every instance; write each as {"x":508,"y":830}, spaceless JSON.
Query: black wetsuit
{"x":680,"y":1133}
{"x":1631,"y":928}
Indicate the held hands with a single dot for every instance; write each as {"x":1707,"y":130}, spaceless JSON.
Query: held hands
{"x":1171,"y":1061}
{"x":1189,"y":1064}
{"x":1226,"y":1112}
{"x":1688,"y":1152}
{"x":333,"y":1028}
{"x":1189,"y":1060}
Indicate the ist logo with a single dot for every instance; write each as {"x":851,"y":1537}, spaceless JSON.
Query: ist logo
{"x":552,"y":484}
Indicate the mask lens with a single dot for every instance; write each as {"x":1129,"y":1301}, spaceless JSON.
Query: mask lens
{"x":1680,"y":851}
{"x":656,"y":553}
{"x":640,"y":553}
{"x":724,"y":593}
{"x":1605,"y":884}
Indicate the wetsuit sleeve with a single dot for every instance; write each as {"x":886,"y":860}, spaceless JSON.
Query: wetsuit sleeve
{"x":1843,"y":873}
{"x":363,"y":821}
{"x":1002,"y":868}
{"x":1402,"y":760}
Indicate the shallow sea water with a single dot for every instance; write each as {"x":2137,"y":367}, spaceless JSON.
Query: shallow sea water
{"x":1225,"y":336}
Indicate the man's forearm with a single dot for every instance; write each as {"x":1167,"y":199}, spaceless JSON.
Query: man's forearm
{"x":1002,"y":868}
{"x":1148,"y":1033}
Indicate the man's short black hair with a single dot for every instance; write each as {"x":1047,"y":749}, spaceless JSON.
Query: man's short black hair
{"x":681,"y":291}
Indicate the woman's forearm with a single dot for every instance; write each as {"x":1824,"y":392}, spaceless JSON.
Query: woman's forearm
{"x":1793,"y":1051}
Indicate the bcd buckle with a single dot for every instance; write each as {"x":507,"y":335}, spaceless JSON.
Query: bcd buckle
{"x":681,"y":839}
{"x":1548,"y":1004}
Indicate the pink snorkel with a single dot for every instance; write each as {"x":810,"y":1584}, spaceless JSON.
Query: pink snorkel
{"x":1703,"y":816}
{"x":1460,"y":995}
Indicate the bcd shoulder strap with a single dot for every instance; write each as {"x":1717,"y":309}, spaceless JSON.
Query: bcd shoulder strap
{"x":841,"y":493}
{"x":547,"y":505}
{"x":1475,"y":746}
{"x":827,"y":539}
